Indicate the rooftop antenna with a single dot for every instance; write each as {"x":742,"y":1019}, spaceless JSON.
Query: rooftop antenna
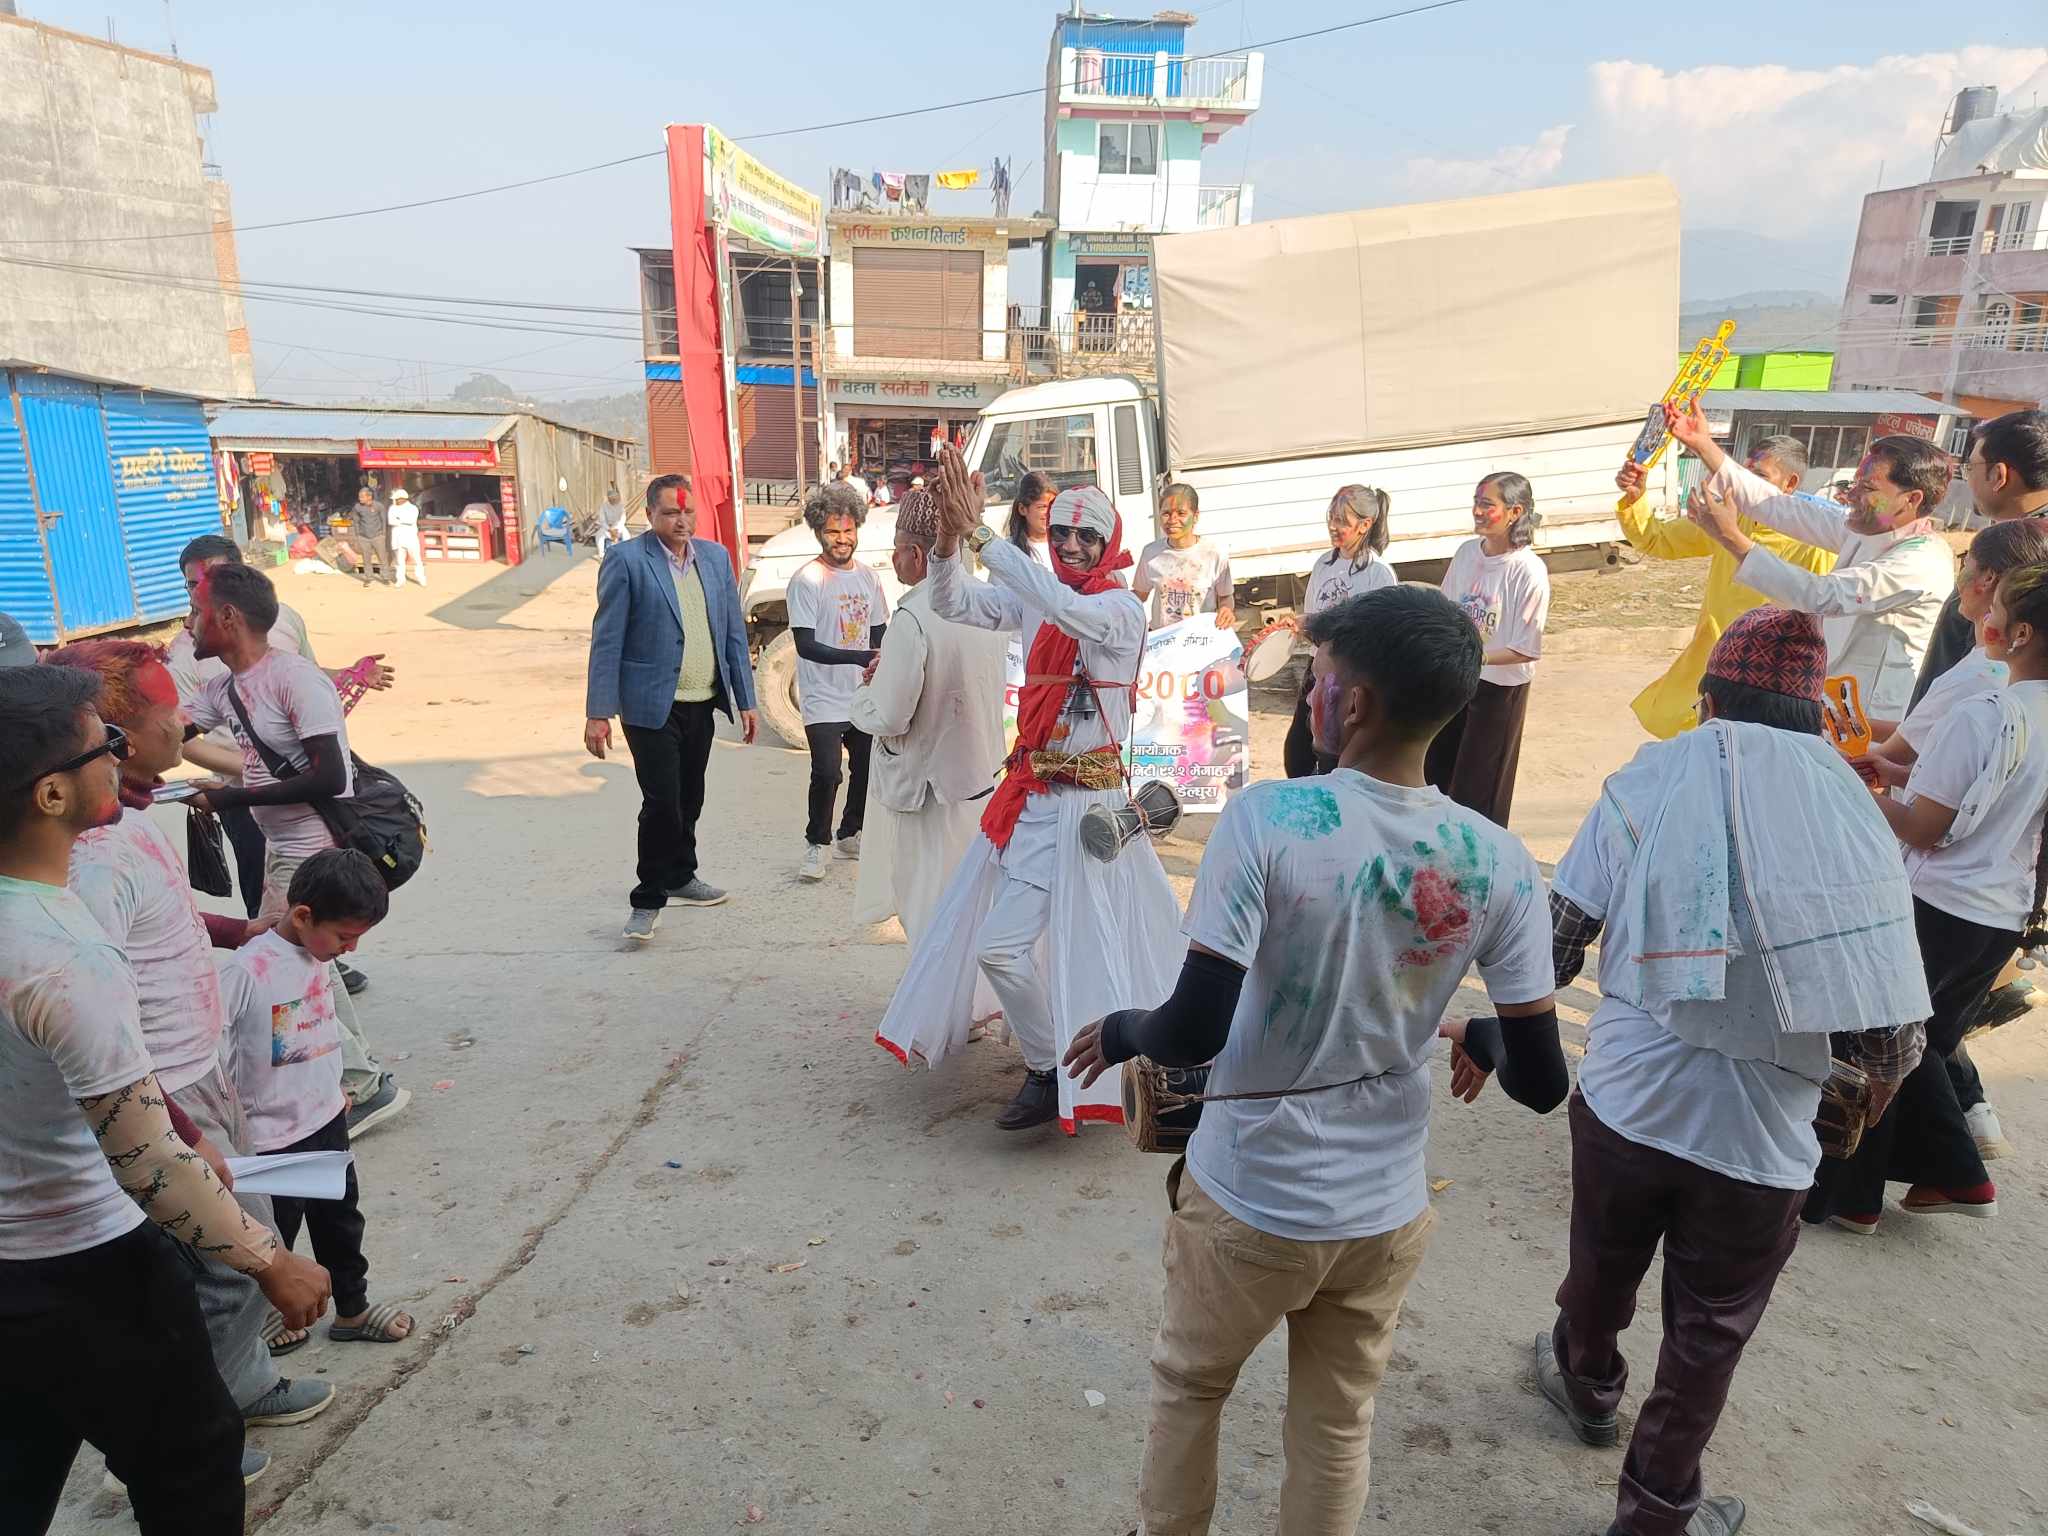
{"x":171,"y":28}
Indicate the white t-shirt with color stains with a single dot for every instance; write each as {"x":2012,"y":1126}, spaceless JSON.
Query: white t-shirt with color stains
{"x":1177,"y":584}
{"x":69,"y":1030}
{"x":1507,"y":598}
{"x":1355,"y":907}
{"x":134,"y":883}
{"x":841,"y":608}
{"x":289,"y":701}
{"x":284,"y":1043}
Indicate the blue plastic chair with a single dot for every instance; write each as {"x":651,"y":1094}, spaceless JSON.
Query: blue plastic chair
{"x":554,"y":529}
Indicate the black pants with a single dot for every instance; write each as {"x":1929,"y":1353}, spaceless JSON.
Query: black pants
{"x":1298,"y":754}
{"x":336,"y":1225}
{"x":669,"y":761}
{"x":246,"y":838}
{"x":1474,"y":759}
{"x":108,"y":1346}
{"x":1725,"y":1243}
{"x":1922,"y":1138}
{"x":826,"y":739}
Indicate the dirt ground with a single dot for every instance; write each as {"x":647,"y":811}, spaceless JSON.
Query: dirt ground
{"x":689,"y":1253}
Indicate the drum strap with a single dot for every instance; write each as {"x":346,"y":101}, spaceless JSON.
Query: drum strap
{"x":1278,"y":1093}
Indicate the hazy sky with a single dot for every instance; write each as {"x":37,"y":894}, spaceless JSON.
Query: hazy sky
{"x":1773,"y":118}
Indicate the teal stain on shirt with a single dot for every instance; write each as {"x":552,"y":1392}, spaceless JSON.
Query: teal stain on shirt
{"x":1306,"y":811}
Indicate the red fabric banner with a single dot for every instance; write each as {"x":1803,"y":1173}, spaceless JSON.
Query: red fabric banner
{"x":697,"y":257}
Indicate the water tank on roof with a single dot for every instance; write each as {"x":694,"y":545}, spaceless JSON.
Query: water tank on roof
{"x":1971,"y":103}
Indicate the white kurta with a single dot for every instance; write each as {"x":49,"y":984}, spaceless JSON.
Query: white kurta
{"x":1877,"y":607}
{"x":1113,"y":939}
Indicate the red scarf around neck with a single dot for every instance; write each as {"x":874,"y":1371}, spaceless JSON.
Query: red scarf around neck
{"x":1049,"y":673}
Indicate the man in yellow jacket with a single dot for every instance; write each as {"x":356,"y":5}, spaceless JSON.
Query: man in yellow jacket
{"x":1666,"y":706}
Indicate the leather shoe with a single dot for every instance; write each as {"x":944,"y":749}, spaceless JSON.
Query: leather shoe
{"x":1037,"y":1101}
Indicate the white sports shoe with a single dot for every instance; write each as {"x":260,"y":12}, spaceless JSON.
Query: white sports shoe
{"x":1985,"y":1130}
{"x":813,"y":867}
{"x":848,"y":847}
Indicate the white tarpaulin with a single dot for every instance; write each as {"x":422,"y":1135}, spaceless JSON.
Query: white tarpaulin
{"x":1430,"y":322}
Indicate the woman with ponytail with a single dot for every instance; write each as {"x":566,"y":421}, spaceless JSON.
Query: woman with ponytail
{"x":1970,"y":820}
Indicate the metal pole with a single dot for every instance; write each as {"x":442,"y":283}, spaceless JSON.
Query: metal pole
{"x":796,"y":369}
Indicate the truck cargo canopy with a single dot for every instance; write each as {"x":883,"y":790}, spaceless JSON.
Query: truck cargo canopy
{"x":1430,"y":322}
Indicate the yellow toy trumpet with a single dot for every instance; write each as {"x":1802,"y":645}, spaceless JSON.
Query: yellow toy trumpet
{"x":1694,"y":375}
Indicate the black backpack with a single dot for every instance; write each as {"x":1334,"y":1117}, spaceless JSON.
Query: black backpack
{"x":382,"y":818}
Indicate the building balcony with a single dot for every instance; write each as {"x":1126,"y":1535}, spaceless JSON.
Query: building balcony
{"x":1229,"y":85}
{"x":1985,"y":242}
{"x":1223,"y":207}
{"x":1080,"y":346}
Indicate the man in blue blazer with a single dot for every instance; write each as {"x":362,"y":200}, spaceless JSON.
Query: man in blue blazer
{"x":667,"y":648}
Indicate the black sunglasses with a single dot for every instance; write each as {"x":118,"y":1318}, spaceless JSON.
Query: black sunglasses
{"x":1062,"y":535}
{"x":116,"y":745}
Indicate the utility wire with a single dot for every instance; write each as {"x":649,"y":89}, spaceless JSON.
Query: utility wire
{"x":656,"y":154}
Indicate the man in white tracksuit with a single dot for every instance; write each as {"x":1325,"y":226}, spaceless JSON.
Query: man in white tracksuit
{"x":402,"y":519}
{"x":1879,"y":605}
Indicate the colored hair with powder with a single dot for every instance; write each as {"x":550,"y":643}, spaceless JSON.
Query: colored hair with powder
{"x":132,"y":676}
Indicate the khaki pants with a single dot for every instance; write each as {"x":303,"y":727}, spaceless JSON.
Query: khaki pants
{"x":361,"y":1072}
{"x":1228,"y":1286}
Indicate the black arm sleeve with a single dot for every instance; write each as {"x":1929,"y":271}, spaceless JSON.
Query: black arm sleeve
{"x":807,"y":646}
{"x":327,"y":776}
{"x":1526,"y":1054}
{"x":875,"y":635}
{"x":1187,"y":1029}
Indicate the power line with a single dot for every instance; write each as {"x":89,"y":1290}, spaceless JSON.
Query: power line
{"x":744,"y":138}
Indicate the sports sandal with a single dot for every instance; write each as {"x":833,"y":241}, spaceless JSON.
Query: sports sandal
{"x":279,"y":1338}
{"x":375,"y":1328}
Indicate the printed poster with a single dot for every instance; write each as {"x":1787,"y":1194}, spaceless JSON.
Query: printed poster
{"x":1193,"y":720}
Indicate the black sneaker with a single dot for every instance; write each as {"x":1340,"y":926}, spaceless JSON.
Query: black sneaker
{"x":351,"y":978}
{"x":1037,"y":1101}
{"x":386,"y":1103}
{"x":1594,"y":1429}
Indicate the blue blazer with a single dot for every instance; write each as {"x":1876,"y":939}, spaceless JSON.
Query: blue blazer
{"x":636,"y":640}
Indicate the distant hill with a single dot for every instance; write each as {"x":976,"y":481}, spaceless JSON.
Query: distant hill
{"x":621,"y":415}
{"x":1772,"y":320}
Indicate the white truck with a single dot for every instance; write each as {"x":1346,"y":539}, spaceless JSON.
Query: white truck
{"x":1415,"y":349}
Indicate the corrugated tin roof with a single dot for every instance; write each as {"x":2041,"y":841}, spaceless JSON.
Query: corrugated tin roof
{"x":1831,"y":402}
{"x":283,"y":423}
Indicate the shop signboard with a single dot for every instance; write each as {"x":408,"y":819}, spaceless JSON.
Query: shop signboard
{"x":260,"y":463}
{"x":953,"y":237}
{"x":1897,"y":424}
{"x":429,"y":456}
{"x":951,"y":394}
{"x":1123,"y":243}
{"x":756,"y":204}
{"x":1192,"y":726}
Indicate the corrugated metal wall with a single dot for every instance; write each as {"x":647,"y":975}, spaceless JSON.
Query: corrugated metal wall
{"x":24,"y":579}
{"x":668,"y":428}
{"x":74,"y":483}
{"x":164,"y":486}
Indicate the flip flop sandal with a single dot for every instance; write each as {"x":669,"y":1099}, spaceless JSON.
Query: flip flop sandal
{"x":274,"y":1330}
{"x":373,"y":1329}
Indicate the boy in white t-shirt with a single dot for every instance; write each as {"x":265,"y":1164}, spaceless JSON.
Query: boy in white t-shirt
{"x":284,"y":1054}
{"x":1332,"y":921}
{"x":837,"y":612}
{"x":1181,"y":575}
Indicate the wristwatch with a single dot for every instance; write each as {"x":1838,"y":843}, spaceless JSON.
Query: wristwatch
{"x":981,"y":538}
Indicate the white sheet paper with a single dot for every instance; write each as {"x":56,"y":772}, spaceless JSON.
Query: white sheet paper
{"x":307,"y":1175}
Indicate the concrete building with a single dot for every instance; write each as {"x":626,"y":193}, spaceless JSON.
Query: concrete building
{"x":99,"y":141}
{"x":1948,"y":288}
{"x":1129,"y":108}
{"x":919,"y":330}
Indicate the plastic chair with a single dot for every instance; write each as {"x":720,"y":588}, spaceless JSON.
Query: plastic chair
{"x":554,"y":529}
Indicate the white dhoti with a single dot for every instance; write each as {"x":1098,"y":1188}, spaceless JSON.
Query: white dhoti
{"x":906,"y":857}
{"x":1109,"y":938}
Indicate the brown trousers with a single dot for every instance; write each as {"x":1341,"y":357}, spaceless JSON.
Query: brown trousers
{"x":1476,"y":756}
{"x":1227,"y":1287}
{"x":1725,"y":1243}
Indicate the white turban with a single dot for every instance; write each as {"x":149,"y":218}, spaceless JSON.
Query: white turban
{"x":1084,"y":506}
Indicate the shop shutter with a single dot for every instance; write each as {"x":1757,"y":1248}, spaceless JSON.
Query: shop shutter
{"x":916,"y":303}
{"x":768,"y":432}
{"x":668,"y":428}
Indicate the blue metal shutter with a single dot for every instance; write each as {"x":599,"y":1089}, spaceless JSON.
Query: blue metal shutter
{"x":74,"y":486}
{"x":24,"y":577}
{"x":164,"y":485}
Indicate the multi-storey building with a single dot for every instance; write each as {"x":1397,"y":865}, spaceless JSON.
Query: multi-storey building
{"x":1129,"y":109}
{"x":1948,"y":288}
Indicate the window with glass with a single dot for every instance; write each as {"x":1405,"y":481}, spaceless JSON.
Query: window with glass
{"x":1059,"y":447}
{"x":1128,"y":149}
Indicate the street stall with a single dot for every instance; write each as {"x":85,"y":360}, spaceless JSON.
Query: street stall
{"x":480,"y":479}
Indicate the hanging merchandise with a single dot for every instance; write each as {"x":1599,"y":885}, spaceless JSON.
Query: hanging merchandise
{"x":957,"y":181}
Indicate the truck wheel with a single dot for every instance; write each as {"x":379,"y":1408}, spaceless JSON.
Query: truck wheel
{"x":775,"y":690}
